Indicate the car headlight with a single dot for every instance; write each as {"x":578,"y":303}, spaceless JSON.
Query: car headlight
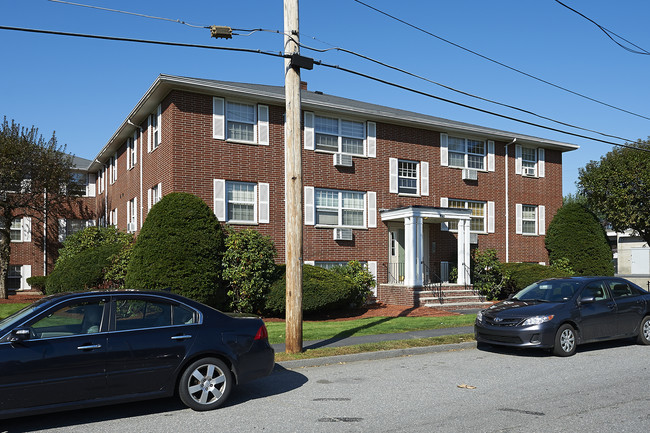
{"x":479,"y":316}
{"x":537,"y":320}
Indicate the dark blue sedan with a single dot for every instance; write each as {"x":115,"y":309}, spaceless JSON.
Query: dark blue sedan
{"x":89,"y":349}
{"x":559,"y":314}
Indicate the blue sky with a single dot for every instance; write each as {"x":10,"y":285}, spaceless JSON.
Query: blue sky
{"x":83,"y":89}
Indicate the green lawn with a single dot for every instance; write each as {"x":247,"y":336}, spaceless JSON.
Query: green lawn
{"x":368,"y":326}
{"x":8,"y":309}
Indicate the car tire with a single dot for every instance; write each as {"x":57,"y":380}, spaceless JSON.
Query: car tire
{"x":644,"y":331}
{"x":566,"y":341}
{"x":205,"y":384}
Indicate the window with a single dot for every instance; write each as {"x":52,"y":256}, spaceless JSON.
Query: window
{"x":16,"y":230}
{"x":337,"y":135}
{"x":407,"y":172}
{"x":529,"y":220}
{"x":14,"y":277}
{"x":334,"y":264}
{"x":112,"y":217}
{"x":241,"y":121}
{"x":73,"y":319}
{"x":112,"y":169}
{"x":530,"y":161}
{"x":142,"y":314}
{"x":477,"y":219}
{"x":340,"y":208}
{"x":68,"y":227}
{"x":132,"y":215}
{"x":466,"y":153}
{"x":132,"y":151}
{"x":155,"y":194}
{"x":241,"y":202}
{"x":154,"y":129}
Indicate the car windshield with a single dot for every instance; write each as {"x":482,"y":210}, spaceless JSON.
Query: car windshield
{"x":19,"y":315}
{"x":548,"y":291}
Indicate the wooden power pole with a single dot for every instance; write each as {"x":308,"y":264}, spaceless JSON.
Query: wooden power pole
{"x":292,"y":182}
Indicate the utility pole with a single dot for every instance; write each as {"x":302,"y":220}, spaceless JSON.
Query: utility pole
{"x":292,"y":181}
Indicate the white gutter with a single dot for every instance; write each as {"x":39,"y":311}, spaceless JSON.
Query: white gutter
{"x":508,"y":204}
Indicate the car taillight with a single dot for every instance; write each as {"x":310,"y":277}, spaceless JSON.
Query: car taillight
{"x":262,"y":333}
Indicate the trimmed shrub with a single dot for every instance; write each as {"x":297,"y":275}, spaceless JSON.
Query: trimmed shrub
{"x":91,"y":237}
{"x":362,"y":279}
{"x":37,"y":282}
{"x":322,"y":291}
{"x":248,"y":267}
{"x":522,"y":275}
{"x":488,"y":275}
{"x":180,"y":247}
{"x":85,"y":272}
{"x":576,"y":234}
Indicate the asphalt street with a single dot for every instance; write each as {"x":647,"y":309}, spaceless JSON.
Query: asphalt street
{"x":603,"y":388}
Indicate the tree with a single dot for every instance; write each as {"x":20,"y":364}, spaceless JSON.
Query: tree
{"x":618,"y":188}
{"x":180,"y":247}
{"x":35,"y":175}
{"x":248,"y":267}
{"x":576,"y":238}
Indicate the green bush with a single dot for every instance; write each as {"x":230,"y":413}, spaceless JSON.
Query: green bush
{"x":180,"y":247}
{"x":85,"y":272}
{"x":322,"y":291}
{"x":362,"y":279}
{"x":88,"y":238}
{"x":115,"y":272}
{"x":488,"y":274}
{"x":521,"y":275}
{"x":575,"y":234}
{"x":248,"y":268}
{"x":37,"y":282}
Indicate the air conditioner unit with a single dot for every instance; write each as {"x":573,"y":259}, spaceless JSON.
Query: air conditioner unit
{"x":342,"y":234}
{"x":131,"y":227}
{"x":529,"y":171}
{"x":473,"y":238}
{"x":342,"y":160}
{"x":469,"y":174}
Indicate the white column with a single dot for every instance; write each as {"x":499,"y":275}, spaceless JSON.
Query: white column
{"x":419,"y":253}
{"x":460,"y":257}
{"x":468,"y":279}
{"x":410,"y":245}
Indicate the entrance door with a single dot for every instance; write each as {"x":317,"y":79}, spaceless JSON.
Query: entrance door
{"x":396,"y":256}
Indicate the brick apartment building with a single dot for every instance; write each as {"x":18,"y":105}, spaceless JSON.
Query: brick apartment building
{"x":408,"y":194}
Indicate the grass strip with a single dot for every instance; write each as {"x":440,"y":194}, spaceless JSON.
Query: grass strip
{"x":9,"y":309}
{"x":323,"y":330}
{"x":374,"y":347}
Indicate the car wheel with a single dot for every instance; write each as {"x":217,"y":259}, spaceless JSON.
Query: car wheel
{"x":644,"y":331}
{"x":565,"y":341}
{"x":205,"y":384}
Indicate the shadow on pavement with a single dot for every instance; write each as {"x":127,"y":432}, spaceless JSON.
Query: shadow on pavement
{"x":279,"y":382}
{"x":541,"y":353}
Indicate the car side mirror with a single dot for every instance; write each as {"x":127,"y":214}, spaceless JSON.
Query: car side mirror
{"x":19,"y":334}
{"x":587,"y":300}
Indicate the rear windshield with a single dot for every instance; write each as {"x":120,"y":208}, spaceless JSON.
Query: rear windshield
{"x":549,"y":291}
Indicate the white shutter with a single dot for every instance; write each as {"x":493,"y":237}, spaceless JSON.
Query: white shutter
{"x":541,"y":156}
{"x":26,"y":224}
{"x":149,"y":133}
{"x":444,"y":202}
{"x":490,"y":155}
{"x":392,"y":180}
{"x":310,"y":219}
{"x":25,"y":272}
{"x":424,"y":178}
{"x":264,"y":203}
{"x":91,"y":186}
{"x":490,"y":213}
{"x":159,"y":115}
{"x":517,"y":159}
{"x":372,"y":268}
{"x":135,"y":146}
{"x":128,"y":216}
{"x":218,"y":118}
{"x":372,"y":139}
{"x":444,"y":147}
{"x":135,"y":213}
{"x":519,"y":228}
{"x":62,"y":227}
{"x":220,"y":199}
{"x":263,"y":124}
{"x":149,"y":193}
{"x":541,"y":219}
{"x":372,"y":209}
{"x":309,"y":130}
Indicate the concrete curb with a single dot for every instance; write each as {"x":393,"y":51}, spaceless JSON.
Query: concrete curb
{"x":367,"y":356}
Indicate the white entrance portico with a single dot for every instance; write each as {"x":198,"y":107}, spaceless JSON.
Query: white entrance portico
{"x":413,"y":218}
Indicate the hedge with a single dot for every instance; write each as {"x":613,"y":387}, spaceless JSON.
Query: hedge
{"x":521,"y":275}
{"x":85,"y":272}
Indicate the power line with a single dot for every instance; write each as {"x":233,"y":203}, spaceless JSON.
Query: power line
{"x":609,"y":33}
{"x":461,"y":91}
{"x":429,"y":95}
{"x":129,"y":13}
{"x":500,"y":63}
{"x":274,"y":54}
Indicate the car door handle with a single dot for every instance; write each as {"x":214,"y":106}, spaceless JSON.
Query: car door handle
{"x":90,"y":347}
{"x":181,"y":337}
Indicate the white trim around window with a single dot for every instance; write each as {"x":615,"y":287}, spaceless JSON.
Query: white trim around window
{"x":337,"y":135}
{"x":68,"y":227}
{"x":408,"y":177}
{"x":17,"y":276}
{"x":154,"y":194}
{"x":530,"y":161}
{"x":238,"y":202}
{"x":530,"y":219}
{"x":132,"y":215}
{"x":482,"y":218}
{"x":338,"y":208}
{"x":240,"y":122}
{"x":21,"y":229}
{"x":154,"y":130}
{"x":466,"y":152}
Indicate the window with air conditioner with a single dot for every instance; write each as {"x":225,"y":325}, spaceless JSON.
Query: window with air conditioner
{"x":340,"y":208}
